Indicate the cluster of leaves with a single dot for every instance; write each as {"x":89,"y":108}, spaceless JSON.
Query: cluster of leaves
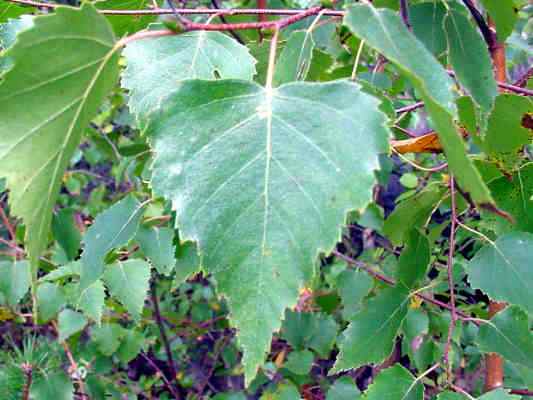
{"x":203,"y":214}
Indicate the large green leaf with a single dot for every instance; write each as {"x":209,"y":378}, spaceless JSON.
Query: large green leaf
{"x":384,"y":31}
{"x":395,"y":383}
{"x":508,"y":334}
{"x":91,"y":300}
{"x":115,"y":227}
{"x":155,"y":67}
{"x":81,"y":68}
{"x":369,"y":337}
{"x":262,"y":180}
{"x":503,"y":269}
{"x":470,"y":59}
{"x":128,"y":281}
{"x":504,"y":14}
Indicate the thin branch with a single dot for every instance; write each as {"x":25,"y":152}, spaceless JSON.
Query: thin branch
{"x":522,"y":81}
{"x":451,"y":284}
{"x":389,"y":281}
{"x":235,"y":35}
{"x":410,"y":108}
{"x":169,"y":386}
{"x":522,"y":392}
{"x":488,"y":35}
{"x":184,"y":11}
{"x":73,"y":365}
{"x":7,"y":224}
{"x":404,"y":13}
{"x":162,"y":331}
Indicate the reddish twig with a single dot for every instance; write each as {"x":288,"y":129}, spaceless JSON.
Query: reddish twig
{"x":185,"y":11}
{"x":7,"y":224}
{"x":522,"y":392}
{"x":451,"y":284}
{"x":73,"y":370}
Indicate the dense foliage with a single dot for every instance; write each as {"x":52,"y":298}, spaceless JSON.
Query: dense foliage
{"x":304,"y":200}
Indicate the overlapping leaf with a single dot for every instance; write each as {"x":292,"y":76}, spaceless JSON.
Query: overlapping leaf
{"x":383,"y":30}
{"x":81,"y":68}
{"x":262,"y":179}
{"x":155,"y":67}
{"x":369,"y":337}
{"x":503,"y":269}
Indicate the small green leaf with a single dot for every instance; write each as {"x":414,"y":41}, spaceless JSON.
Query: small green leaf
{"x":503,"y":269}
{"x":414,"y":260}
{"x":15,"y":278}
{"x":64,"y":271}
{"x":370,"y":335}
{"x":91,"y":301}
{"x":411,"y":213}
{"x":295,"y":59}
{"x":187,"y":262}
{"x":108,"y":337}
{"x":128,"y":281}
{"x":81,"y":69}
{"x":395,"y":383}
{"x":505,"y":15}
{"x":299,"y":362}
{"x":115,"y":227}
{"x":499,"y":394}
{"x":514,"y":196}
{"x":505,"y":132}
{"x":310,"y":330}
{"x":12,"y":10}
{"x":191,"y":55}
{"x":469,"y":56}
{"x":451,"y":396}
{"x":281,"y":157}
{"x":344,"y":388}
{"x":157,"y":245}
{"x":353,"y":287}
{"x":130,"y":345}
{"x":383,"y":30}
{"x":69,"y":322}
{"x":66,"y":233}
{"x":53,"y":385}
{"x":50,"y":299}
{"x":409,"y":180}
{"x":508,"y":334}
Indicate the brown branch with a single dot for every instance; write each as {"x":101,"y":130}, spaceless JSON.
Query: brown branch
{"x":235,"y":35}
